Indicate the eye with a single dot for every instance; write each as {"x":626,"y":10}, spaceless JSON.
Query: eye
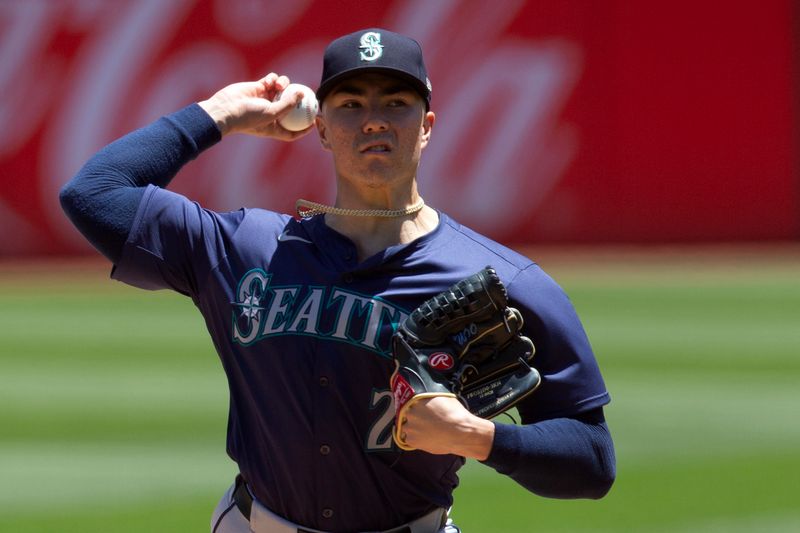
{"x":397,"y":102}
{"x":350,"y":104}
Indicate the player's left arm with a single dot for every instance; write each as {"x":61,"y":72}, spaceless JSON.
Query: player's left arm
{"x":557,"y":458}
{"x":568,"y":457}
{"x":563,"y":449}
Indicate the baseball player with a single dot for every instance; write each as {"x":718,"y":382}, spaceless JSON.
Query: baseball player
{"x":302,"y":310}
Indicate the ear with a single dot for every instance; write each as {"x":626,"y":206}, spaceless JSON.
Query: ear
{"x":427,"y":128}
{"x":322,"y":130}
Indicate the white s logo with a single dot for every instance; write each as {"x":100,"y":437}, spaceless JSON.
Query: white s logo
{"x":371,"y":46}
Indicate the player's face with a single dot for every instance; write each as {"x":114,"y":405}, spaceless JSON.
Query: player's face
{"x":376,"y":127}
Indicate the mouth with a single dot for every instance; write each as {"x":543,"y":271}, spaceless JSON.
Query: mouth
{"x":376,"y":148}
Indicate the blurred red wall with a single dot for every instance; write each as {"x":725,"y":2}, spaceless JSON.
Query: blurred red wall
{"x":557,"y":121}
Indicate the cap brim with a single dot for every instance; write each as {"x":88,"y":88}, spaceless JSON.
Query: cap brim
{"x":412,"y":80}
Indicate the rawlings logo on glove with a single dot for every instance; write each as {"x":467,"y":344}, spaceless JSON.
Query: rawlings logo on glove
{"x":465,"y":343}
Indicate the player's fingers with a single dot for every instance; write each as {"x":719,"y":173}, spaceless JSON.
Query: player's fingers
{"x":271,"y":85}
{"x":282,"y":82}
{"x":282,"y":105}
{"x":297,"y":95}
{"x":269,"y":80}
{"x":294,"y":95}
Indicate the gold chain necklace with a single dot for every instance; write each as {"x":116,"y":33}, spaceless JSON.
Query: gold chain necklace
{"x":307,"y":209}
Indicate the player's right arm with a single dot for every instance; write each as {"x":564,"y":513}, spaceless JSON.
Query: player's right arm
{"x":254,"y":107}
{"x":102,"y":199}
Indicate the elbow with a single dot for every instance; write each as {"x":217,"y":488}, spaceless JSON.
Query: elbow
{"x":575,"y":481}
{"x":604,"y":472}
{"x":585,"y":484}
{"x":590,"y":484}
{"x":601,"y":484}
{"x":596,"y":477}
{"x":68,"y":198}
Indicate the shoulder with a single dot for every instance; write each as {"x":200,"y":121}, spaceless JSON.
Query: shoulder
{"x":162,"y":209}
{"x":167,"y":197}
{"x":527,"y":283}
{"x":257,"y":219}
{"x":464,"y":241}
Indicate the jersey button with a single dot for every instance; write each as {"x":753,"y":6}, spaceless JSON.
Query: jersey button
{"x":324,"y":449}
{"x":348,"y":278}
{"x":327,"y":513}
{"x":323,"y":381}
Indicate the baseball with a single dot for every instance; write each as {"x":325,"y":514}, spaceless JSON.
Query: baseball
{"x":304,"y":113}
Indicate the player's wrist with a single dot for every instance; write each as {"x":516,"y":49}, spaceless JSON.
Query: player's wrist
{"x":475,"y":437}
{"x":217,"y":113}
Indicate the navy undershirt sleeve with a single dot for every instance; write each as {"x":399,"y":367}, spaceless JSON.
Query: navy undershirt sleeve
{"x":103,"y":197}
{"x":558,"y":458}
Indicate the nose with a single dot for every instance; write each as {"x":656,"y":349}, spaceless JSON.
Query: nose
{"x":375,"y":121}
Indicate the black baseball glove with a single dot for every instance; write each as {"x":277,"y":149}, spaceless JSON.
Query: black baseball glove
{"x":465,"y":343}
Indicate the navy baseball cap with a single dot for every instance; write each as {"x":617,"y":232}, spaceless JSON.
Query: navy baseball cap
{"x":374,"y":50}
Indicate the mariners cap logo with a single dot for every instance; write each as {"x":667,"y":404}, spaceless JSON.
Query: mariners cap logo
{"x":371,"y":47}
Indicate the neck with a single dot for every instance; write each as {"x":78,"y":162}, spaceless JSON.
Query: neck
{"x":373,"y":234}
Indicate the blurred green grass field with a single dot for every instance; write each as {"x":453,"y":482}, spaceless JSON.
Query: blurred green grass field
{"x":113,"y":404}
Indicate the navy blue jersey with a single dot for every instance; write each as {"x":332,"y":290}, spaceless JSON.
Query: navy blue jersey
{"x":303,"y":331}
